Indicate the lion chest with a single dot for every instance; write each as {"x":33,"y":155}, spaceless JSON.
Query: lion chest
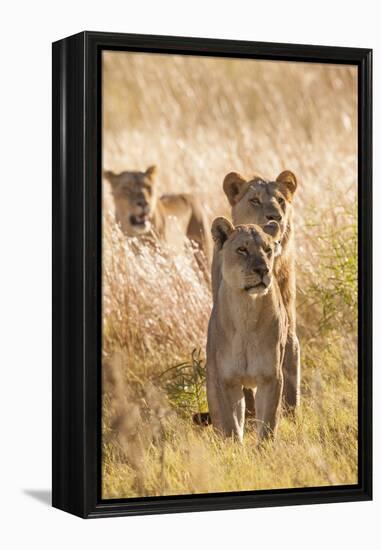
{"x":246,"y":358}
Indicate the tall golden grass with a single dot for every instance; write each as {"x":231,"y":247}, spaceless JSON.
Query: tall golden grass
{"x":197,"y":119}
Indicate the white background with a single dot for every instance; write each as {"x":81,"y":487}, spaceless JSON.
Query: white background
{"x":27,"y":29}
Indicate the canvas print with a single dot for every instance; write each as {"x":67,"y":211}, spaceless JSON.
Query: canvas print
{"x":229,"y":275}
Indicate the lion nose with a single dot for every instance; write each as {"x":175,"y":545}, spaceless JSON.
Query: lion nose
{"x":261,"y":270}
{"x":275,"y":217}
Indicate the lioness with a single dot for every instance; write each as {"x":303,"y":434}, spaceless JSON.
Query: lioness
{"x":258,"y":201}
{"x":247,"y":329}
{"x":139,"y":211}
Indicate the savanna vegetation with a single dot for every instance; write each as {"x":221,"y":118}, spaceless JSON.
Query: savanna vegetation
{"x":197,"y":119}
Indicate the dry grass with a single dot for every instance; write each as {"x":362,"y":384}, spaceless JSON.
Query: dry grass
{"x":198,"y":119}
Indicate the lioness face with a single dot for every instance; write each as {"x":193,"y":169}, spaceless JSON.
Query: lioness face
{"x":248,"y":253}
{"x":259,"y":201}
{"x":135,"y":199}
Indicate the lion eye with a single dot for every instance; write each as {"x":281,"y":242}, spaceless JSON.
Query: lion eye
{"x":269,"y":251}
{"x":255,"y":201}
{"x":281,"y":200}
{"x":242,"y":250}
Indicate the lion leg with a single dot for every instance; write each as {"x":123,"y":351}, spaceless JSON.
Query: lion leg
{"x":215,"y":406}
{"x":268,"y":405}
{"x":291,"y":373}
{"x":227,"y":409}
{"x":291,"y":359}
{"x":235,"y":411}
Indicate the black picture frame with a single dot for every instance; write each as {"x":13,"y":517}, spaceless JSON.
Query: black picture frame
{"x":77,"y":168}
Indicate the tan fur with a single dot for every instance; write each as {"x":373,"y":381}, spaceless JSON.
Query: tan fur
{"x":140,"y":212}
{"x":247,"y":329}
{"x":274,"y":202}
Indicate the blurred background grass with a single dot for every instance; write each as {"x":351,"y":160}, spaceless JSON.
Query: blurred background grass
{"x":197,"y":119}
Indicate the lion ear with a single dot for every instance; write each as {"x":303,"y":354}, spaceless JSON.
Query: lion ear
{"x":222,"y":228}
{"x":288,"y":183}
{"x":111,"y":177}
{"x":272,"y":228}
{"x":233,"y":185}
{"x":151,"y":172}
